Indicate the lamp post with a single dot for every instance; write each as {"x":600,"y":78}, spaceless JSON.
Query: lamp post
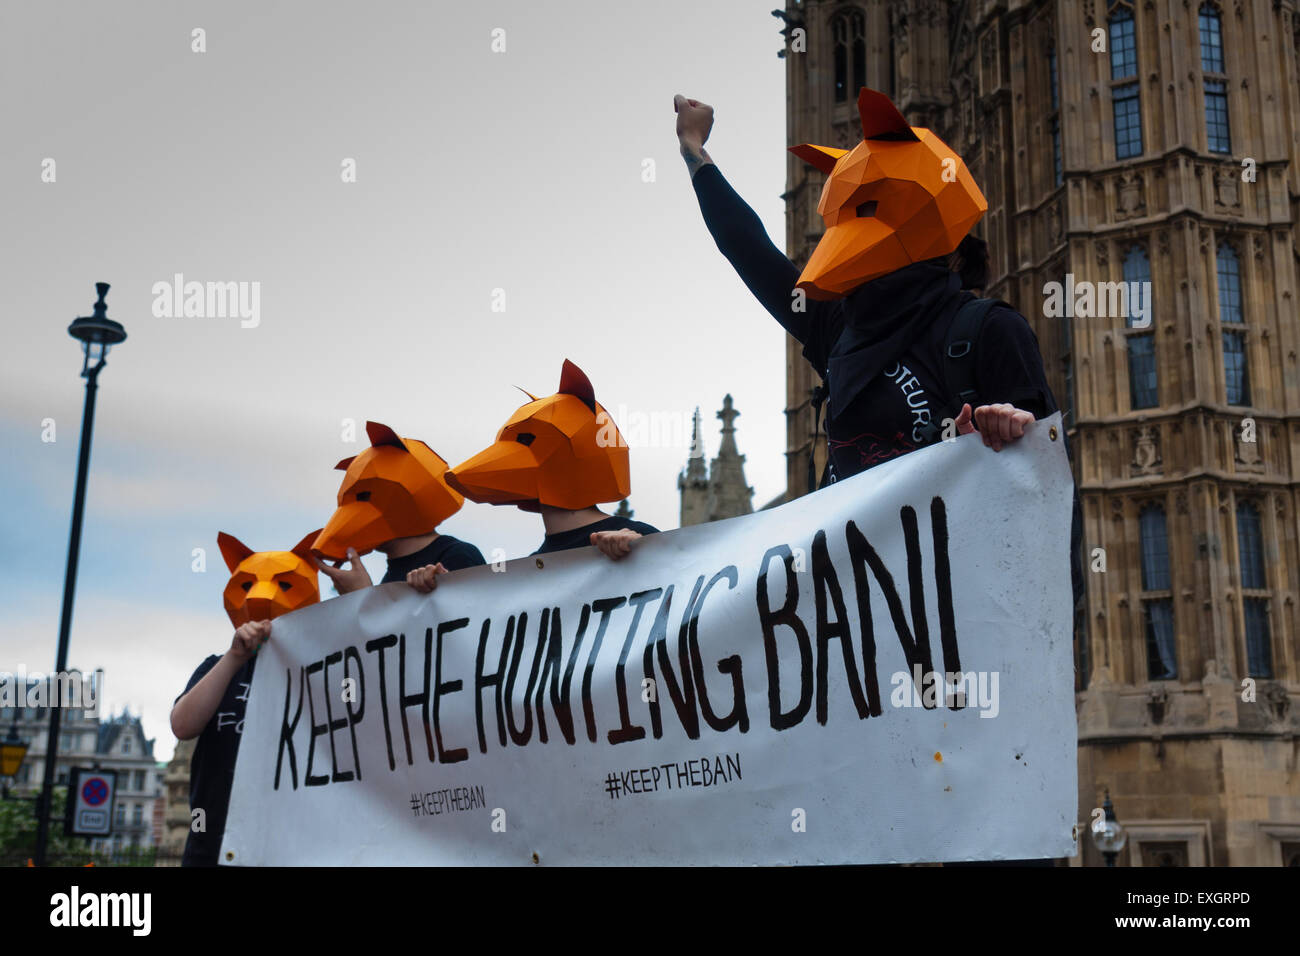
{"x":1109,"y":837}
{"x":97,"y":333}
{"x":12,"y":752}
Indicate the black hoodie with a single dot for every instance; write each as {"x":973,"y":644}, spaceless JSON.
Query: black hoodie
{"x":880,"y":349}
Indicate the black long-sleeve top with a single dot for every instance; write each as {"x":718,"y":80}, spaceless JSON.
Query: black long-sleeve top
{"x":887,"y":416}
{"x":892,"y":413}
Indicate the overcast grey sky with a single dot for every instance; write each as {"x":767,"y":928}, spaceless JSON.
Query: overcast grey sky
{"x":476,"y":170}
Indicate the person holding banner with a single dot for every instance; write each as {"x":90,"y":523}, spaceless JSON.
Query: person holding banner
{"x":263,"y":585}
{"x":393,"y":497}
{"x":872,"y":322}
{"x":907,"y":356}
{"x":559,"y":457}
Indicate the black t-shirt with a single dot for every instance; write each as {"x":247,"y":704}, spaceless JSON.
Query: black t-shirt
{"x":581,"y":537}
{"x":212,"y":769}
{"x":452,"y":552}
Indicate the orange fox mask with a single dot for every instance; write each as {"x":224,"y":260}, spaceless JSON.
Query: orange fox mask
{"x":564,"y":451}
{"x":898,"y":197}
{"x":266,"y":584}
{"x":394,"y":489}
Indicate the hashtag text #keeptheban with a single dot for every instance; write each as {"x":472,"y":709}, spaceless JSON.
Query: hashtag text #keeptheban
{"x":670,"y":776}
{"x":447,"y":801}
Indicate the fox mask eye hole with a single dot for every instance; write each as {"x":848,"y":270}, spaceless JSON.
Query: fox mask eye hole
{"x":285,"y":585}
{"x":525,"y":438}
{"x":363,"y":496}
{"x":867,"y":209}
{"x":247,"y":585}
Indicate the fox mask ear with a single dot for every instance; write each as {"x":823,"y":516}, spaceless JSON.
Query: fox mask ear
{"x":383,"y":435}
{"x":881,"y":118}
{"x":822,"y":158}
{"x":232,"y":549}
{"x":345,"y":463}
{"x":303,"y":547}
{"x":573,"y":381}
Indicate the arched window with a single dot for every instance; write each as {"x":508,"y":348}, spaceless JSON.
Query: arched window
{"x":1236,"y":371}
{"x":1157,"y":598}
{"x":1254,"y":591}
{"x":849,"y":54}
{"x":1123,"y":42}
{"x":1123,"y":75}
{"x":1228,"y":268}
{"x":1144,"y":391}
{"x":859,"y":50}
{"x":1210,"y":25}
{"x":1054,"y":123}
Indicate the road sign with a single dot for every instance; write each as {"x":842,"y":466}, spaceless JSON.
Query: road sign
{"x":90,"y":802}
{"x":94,"y":791}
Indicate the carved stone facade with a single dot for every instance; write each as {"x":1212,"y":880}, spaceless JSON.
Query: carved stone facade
{"x":1188,"y":666}
{"x":176,"y":811}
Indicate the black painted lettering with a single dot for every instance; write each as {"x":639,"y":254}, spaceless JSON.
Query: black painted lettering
{"x":441,"y":688}
{"x":770,"y":620}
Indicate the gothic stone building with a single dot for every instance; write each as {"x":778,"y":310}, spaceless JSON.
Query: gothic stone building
{"x":1134,"y":141}
{"x":717,"y":490}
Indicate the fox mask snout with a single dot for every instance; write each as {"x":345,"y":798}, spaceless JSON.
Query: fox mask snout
{"x":394,"y":489}
{"x":898,"y":197}
{"x":266,"y":584}
{"x":563,"y":451}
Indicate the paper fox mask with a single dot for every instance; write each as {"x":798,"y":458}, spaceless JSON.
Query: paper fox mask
{"x":898,"y":197}
{"x":266,"y":584}
{"x":393,"y":489}
{"x":564,"y":451}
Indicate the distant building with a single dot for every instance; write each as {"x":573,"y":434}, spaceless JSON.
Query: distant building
{"x":718,"y":490}
{"x":117,"y":743}
{"x":176,"y":800}
{"x":159,"y":805}
{"x":1170,"y":162}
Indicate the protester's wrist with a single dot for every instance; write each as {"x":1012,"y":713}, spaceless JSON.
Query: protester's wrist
{"x":695,"y":156}
{"x":233,"y":658}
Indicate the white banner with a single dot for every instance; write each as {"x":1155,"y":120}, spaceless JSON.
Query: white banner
{"x":878,"y":672}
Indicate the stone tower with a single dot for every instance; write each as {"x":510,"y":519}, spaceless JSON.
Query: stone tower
{"x":1124,"y":143}
{"x":693,"y":482}
{"x":729,"y":495}
{"x":721,"y":491}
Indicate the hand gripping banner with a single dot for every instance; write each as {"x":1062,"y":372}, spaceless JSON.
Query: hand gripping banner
{"x":878,"y":672}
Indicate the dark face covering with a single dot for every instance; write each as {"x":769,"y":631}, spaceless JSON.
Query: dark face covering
{"x":881,"y":321}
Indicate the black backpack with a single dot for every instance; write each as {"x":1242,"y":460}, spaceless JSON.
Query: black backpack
{"x":959,"y":389}
{"x":958,"y":376}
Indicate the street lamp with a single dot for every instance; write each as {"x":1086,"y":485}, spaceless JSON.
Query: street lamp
{"x":97,"y":333}
{"x":1109,"y":837}
{"x":12,"y":752}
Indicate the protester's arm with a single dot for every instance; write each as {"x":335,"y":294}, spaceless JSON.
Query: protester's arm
{"x":738,"y":231}
{"x":191,"y":713}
